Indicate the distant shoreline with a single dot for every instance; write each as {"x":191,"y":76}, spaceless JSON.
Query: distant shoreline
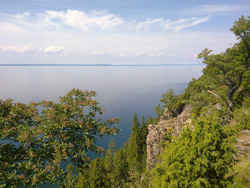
{"x":97,"y":65}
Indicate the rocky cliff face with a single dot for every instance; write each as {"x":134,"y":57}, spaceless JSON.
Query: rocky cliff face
{"x":156,"y":134}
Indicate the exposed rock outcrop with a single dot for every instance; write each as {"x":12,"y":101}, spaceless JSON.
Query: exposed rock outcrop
{"x":156,"y":134}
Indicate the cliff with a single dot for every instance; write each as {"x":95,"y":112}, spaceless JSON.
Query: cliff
{"x":156,"y":133}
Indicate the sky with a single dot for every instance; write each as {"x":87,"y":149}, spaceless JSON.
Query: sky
{"x":114,"y":31}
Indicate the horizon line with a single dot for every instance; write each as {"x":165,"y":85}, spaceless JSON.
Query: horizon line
{"x":67,"y":64}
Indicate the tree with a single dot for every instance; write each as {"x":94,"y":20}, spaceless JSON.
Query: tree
{"x":169,"y":99}
{"x":109,"y":161}
{"x":199,"y":158}
{"x":33,"y":144}
{"x":143,"y":139}
{"x":143,"y":134}
{"x":120,"y":172}
{"x":97,"y":174}
{"x":228,"y":68}
{"x":172,"y":104}
{"x":134,"y":146}
{"x":109,"y":156}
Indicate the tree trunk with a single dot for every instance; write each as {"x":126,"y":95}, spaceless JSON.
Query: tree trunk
{"x":230,"y":95}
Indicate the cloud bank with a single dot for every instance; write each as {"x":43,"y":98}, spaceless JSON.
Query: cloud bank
{"x":80,"y":36}
{"x":94,"y":21}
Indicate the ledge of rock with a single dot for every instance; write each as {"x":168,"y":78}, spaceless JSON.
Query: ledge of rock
{"x":156,"y":133}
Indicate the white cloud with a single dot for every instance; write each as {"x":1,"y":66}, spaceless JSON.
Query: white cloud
{"x":169,"y":25}
{"x":53,"y":49}
{"x":16,"y":49}
{"x":84,"y":21}
{"x":52,"y":21}
{"x":148,"y":23}
{"x":184,"y":23}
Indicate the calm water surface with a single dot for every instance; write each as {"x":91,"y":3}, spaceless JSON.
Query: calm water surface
{"x":121,"y":90}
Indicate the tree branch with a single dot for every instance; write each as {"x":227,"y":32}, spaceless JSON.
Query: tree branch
{"x":213,"y":93}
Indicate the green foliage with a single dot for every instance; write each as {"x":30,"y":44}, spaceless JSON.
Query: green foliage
{"x":125,"y":167}
{"x":134,"y":146}
{"x":169,"y":99}
{"x":94,"y":176}
{"x":98,"y":174}
{"x":242,"y":115}
{"x":241,"y":30}
{"x":200,"y":157}
{"x":244,"y":91}
{"x":83,"y":177}
{"x":241,"y":173}
{"x":121,"y":168}
{"x":109,"y":156}
{"x":228,"y":68}
{"x":159,"y":110}
{"x":143,"y":138}
{"x":172,"y":103}
{"x":33,"y":144}
{"x":70,"y":180}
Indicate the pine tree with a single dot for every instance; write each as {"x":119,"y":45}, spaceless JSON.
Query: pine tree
{"x":120,"y":172}
{"x":97,"y":174}
{"x":134,"y":146}
{"x":143,"y":139}
{"x":83,"y":177}
{"x":109,"y":156}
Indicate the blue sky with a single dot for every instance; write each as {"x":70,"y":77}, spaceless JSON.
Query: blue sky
{"x":115,"y":32}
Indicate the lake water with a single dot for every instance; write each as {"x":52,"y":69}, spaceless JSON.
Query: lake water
{"x":122,"y":90}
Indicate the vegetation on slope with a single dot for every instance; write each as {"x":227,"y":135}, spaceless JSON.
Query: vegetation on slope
{"x":204,"y":153}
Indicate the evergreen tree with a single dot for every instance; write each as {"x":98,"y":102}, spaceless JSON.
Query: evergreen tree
{"x":109,"y":160}
{"x":134,"y":146}
{"x":83,"y":177}
{"x":144,"y":130}
{"x":120,"y":172}
{"x":143,"y":138}
{"x":199,"y":158}
{"x":97,"y":174}
{"x":109,"y":156}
